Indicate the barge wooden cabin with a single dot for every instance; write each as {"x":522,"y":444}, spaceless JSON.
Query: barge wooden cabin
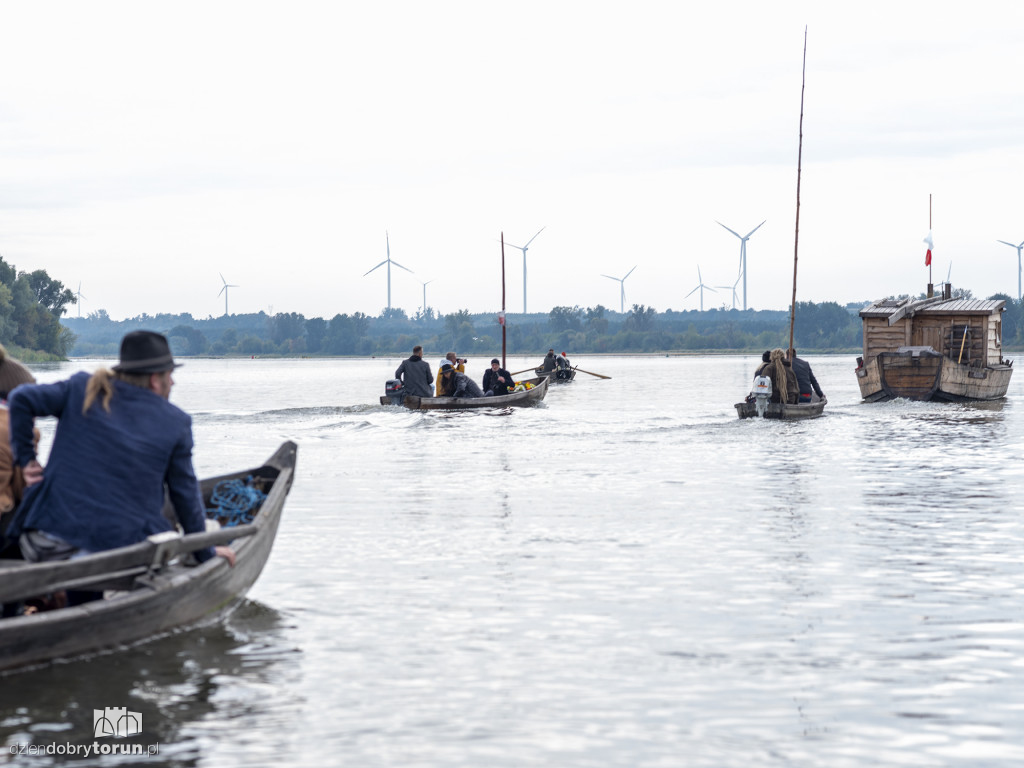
{"x":935,"y":348}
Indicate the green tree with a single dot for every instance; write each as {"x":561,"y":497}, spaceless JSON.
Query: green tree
{"x":640,"y":318}
{"x":316,"y":330}
{"x":287,"y":325}
{"x":565,"y":319}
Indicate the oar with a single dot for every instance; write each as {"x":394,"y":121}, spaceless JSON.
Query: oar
{"x":600,"y":376}
{"x":516,"y":373}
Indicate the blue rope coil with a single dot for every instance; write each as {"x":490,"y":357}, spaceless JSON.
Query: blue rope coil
{"x":235,"y":502}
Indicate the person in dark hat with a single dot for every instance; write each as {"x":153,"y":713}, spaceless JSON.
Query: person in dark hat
{"x":118,"y":441}
{"x":497,"y":381}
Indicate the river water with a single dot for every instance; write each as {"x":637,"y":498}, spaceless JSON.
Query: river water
{"x":626,"y":575}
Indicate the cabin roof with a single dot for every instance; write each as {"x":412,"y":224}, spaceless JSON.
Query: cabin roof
{"x":888,"y":307}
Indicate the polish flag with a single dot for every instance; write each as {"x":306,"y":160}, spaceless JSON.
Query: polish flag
{"x":928,"y":255}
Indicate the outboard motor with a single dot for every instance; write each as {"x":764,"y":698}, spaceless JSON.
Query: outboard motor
{"x":762,"y":393}
{"x":394,"y":391}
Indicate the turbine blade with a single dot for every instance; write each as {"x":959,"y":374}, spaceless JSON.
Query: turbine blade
{"x":692,"y":292}
{"x":222,"y":279}
{"x":1006,"y":243}
{"x":535,"y":236}
{"x":755,"y":229}
{"x":631,"y":271}
{"x":731,"y":230}
{"x":401,"y":267}
{"x":379,"y":265}
{"x":611,"y":278}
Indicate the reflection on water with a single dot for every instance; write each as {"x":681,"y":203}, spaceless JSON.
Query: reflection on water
{"x":626,"y":576}
{"x":186,"y":686}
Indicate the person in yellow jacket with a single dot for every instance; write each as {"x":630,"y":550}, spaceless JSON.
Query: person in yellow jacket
{"x":458,"y":365}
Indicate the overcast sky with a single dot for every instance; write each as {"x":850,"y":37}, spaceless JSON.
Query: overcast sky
{"x":148,"y":148}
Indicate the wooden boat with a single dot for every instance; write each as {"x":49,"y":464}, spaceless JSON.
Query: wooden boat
{"x":152,"y":591}
{"x":558,"y":375}
{"x":748,"y":410}
{"x":532,"y":396}
{"x":756,"y":404}
{"x":937,"y":348}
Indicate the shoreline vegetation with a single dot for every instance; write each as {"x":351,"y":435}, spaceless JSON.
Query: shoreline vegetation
{"x":34,"y":328}
{"x":820,"y":328}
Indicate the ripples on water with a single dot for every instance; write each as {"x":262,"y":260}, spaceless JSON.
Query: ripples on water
{"x":627,"y":575}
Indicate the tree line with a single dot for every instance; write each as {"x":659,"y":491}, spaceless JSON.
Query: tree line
{"x":31,"y":307}
{"x":819,"y":327}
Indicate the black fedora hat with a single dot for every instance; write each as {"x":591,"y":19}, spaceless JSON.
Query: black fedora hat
{"x":145,"y":352}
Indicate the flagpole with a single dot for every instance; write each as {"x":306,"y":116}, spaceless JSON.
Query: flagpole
{"x":931,"y":285}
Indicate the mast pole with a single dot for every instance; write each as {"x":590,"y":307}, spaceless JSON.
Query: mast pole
{"x":799,"y":160}
{"x":502,"y":318}
{"x":930,"y":283}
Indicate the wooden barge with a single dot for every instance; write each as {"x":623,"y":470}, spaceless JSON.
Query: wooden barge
{"x":938,"y":348}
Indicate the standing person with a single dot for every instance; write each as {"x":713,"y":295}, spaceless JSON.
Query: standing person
{"x":12,"y":483}
{"x":118,"y":442}
{"x":805,"y":379}
{"x":415,"y":374}
{"x":458,"y":365}
{"x":497,"y":381}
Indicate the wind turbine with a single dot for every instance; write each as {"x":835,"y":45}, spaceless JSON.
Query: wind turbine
{"x":700,"y":287}
{"x":1018,"y":247}
{"x":523,"y":249}
{"x":622,"y":288}
{"x":224,"y":290}
{"x":425,"y":295}
{"x":78,"y":301}
{"x":389,"y":262}
{"x":743,"y":254}
{"x":733,"y":288}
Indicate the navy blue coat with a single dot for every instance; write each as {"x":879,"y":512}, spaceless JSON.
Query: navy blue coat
{"x":103,"y":485}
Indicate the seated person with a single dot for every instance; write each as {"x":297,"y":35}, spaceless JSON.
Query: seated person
{"x":805,"y":378}
{"x":497,"y":381}
{"x":466,"y":387}
{"x":549,"y":362}
{"x":777,"y":368}
{"x":118,"y":443}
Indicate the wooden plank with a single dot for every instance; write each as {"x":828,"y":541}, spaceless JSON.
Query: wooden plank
{"x":40,"y":578}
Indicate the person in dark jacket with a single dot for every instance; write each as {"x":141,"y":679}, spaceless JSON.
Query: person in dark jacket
{"x":805,"y":380}
{"x":497,"y":381}
{"x":784,"y":385}
{"x":119,"y":442}
{"x":415,"y":374}
{"x":549,"y":362}
{"x":457,"y":384}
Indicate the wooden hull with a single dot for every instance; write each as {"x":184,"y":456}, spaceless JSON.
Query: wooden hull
{"x":785,"y":411}
{"x":173,"y":597}
{"x":926,"y":376}
{"x":515,"y":399}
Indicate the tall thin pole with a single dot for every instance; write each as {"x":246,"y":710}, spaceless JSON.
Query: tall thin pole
{"x":930,"y":283}
{"x":799,"y":160}
{"x":502,"y":318}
